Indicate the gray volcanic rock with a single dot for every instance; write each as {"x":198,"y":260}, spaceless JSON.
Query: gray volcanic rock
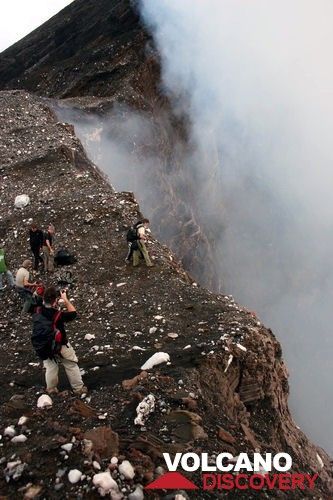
{"x":226,"y":387}
{"x":90,"y":48}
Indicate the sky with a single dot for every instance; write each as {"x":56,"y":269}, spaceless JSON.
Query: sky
{"x":20,"y":17}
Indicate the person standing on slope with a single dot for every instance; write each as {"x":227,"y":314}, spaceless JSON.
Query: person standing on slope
{"x":36,"y":243}
{"x":50,"y":342}
{"x":4,"y":271}
{"x":48,"y":249}
{"x":142,"y":249}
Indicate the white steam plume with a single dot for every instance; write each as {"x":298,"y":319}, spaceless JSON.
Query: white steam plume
{"x":257,"y":79}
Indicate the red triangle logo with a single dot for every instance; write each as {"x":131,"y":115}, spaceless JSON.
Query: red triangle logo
{"x":172,"y":481}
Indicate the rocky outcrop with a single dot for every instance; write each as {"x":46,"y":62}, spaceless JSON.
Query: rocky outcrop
{"x":95,"y":48}
{"x":95,"y":55}
{"x":226,"y":385}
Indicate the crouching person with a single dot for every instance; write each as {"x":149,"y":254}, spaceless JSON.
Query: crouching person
{"x":50,"y":342}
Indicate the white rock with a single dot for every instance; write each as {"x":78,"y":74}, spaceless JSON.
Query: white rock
{"x":23,"y":420}
{"x":187,"y":347}
{"x":114,"y":460}
{"x":67,"y":447}
{"x":9,"y":431}
{"x":159,"y":317}
{"x":74,"y":476}
{"x":321,"y":463}
{"x":137,"y":494}
{"x":229,"y":362}
{"x":126,"y":469}
{"x":153,"y":330}
{"x":121,"y":284}
{"x":173,"y":335}
{"x":96,"y":465}
{"x":89,"y":336}
{"x":44,"y":401}
{"x":143,"y":409}
{"x":21,"y":438}
{"x":22,"y":201}
{"x":105,"y":483}
{"x":241,"y":347}
{"x":110,"y":304}
{"x":138,"y":348}
{"x":156,"y":359}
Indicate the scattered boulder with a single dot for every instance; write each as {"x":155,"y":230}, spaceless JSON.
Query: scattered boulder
{"x":186,"y":426}
{"x":32,"y":492}
{"x":89,"y":336}
{"x":156,"y":359}
{"x":74,"y":476}
{"x":137,"y":494}
{"x":44,"y":401}
{"x":133,"y":382}
{"x":105,"y":441}
{"x":21,"y":438}
{"x":144,"y":408}
{"x":225,"y":436}
{"x":82,"y":409}
{"x":190,"y":403}
{"x":14,"y":470}
{"x":67,"y":447}
{"x":105,"y":483}
{"x":126,"y":469}
{"x":21,"y":201}
{"x":10,"y":431}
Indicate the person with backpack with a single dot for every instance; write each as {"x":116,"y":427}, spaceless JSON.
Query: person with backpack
{"x":36,"y":243}
{"x":4,"y":271}
{"x":48,"y":249}
{"x":142,"y":249}
{"x":50,"y":342}
{"x":132,"y":241}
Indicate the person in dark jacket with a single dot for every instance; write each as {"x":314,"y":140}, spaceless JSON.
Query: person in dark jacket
{"x":48,"y":249}
{"x":67,"y":356}
{"x":36,"y":243}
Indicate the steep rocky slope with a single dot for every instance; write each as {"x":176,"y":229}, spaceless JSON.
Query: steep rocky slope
{"x":95,"y":55}
{"x":205,"y":400}
{"x":90,"y":48}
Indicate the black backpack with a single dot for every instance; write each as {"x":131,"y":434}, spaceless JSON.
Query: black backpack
{"x":63,"y":257}
{"x":46,"y":338}
{"x":132,"y":233}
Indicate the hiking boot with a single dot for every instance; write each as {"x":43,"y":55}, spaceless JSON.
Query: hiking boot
{"x":79,"y":392}
{"x":54,"y":390}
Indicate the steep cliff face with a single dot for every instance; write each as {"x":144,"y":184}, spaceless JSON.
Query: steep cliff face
{"x":95,"y":56}
{"x":226,"y":386}
{"x":92,"y":57}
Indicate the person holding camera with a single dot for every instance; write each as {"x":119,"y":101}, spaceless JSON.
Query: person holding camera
{"x":50,"y":341}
